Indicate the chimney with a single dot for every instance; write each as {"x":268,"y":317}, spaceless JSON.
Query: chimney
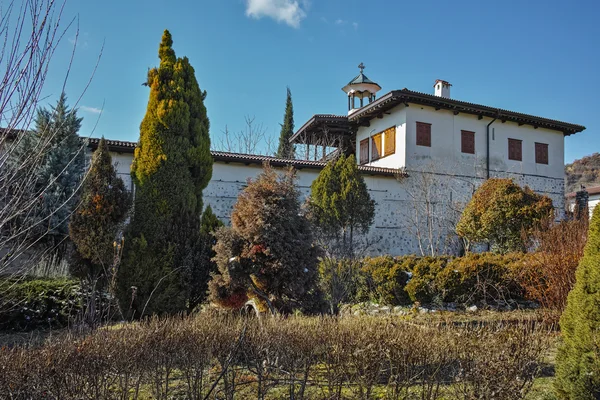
{"x":442,"y":88}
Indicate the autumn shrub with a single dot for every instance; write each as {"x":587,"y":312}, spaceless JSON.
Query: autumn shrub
{"x":223,"y":356}
{"x":499,"y":211}
{"x":384,"y":279}
{"x":548,"y":273}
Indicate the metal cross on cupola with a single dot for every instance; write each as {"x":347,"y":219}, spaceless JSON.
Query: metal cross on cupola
{"x":361,"y":66}
{"x":360,"y":87}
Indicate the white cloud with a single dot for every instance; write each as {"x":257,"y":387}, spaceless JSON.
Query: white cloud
{"x":93,"y":110}
{"x":340,"y":22}
{"x":290,"y":12}
{"x":355,"y":25}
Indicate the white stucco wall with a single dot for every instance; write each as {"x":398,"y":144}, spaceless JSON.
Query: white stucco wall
{"x":445,"y":155}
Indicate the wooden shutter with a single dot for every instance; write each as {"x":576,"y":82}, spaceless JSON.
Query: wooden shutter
{"x":467,"y":142}
{"x":423,"y":134}
{"x":389,"y":141}
{"x":515,"y":149}
{"x":541,"y":153}
{"x":364,"y":151}
{"x":376,"y":147}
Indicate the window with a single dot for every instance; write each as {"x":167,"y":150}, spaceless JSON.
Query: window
{"x":423,"y":134}
{"x":376,"y":147}
{"x":467,"y":142}
{"x":541,"y":153}
{"x":515,"y":149}
{"x":364,"y":151}
{"x":389,"y":141}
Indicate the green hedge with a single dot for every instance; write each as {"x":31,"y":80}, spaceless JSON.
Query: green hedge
{"x":472,"y":279}
{"x":39,"y":303}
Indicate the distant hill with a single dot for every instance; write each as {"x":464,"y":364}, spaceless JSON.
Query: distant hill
{"x":585,"y":171}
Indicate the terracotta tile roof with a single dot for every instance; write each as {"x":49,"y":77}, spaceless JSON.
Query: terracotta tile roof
{"x":397,"y":97}
{"x":591,"y":191}
{"x":222,"y":156}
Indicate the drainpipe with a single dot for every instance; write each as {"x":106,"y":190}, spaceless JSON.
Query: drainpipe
{"x":487,"y":158}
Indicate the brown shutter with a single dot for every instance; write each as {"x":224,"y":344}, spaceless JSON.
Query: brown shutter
{"x":376,"y":147}
{"x":423,"y":134}
{"x":467,"y":142}
{"x":541,"y":153}
{"x":364,"y":151}
{"x":515,"y":149}
{"x":390,"y":141}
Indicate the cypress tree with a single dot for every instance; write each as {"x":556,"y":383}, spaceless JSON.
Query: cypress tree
{"x":340,"y":204}
{"x":197,"y":277}
{"x":96,"y":223}
{"x":286,"y":149}
{"x":172,"y":165}
{"x":578,"y":358}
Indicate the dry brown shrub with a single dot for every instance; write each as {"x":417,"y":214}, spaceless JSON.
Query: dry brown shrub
{"x":224,"y":356}
{"x":548,"y":274}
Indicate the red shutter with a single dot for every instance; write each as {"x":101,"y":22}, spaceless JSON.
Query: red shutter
{"x":515,"y":149}
{"x":423,"y":134}
{"x":364,"y":151}
{"x":541,"y":153}
{"x":467,"y":142}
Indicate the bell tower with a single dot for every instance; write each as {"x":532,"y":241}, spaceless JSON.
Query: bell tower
{"x":360,"y":88}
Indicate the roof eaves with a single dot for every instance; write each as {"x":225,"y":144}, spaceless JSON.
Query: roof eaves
{"x":408,"y":96}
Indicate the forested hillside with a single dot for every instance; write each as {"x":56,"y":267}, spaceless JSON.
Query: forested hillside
{"x":585,"y":171}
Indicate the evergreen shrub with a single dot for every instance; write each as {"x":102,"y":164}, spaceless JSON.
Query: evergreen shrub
{"x":41,"y":303}
{"x":472,"y":279}
{"x":384,"y":279}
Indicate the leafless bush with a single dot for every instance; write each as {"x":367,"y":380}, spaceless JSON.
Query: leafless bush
{"x":253,"y":139}
{"x":548,"y":273}
{"x":30,"y":31}
{"x":222,"y":356}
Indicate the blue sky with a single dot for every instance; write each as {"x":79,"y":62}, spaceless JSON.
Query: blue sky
{"x":537,"y":57}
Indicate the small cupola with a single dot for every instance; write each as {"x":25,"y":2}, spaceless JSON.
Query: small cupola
{"x":442,"y":88}
{"x":361,"y":88}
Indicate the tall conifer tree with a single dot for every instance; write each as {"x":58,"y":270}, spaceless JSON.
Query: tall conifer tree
{"x":57,"y":175}
{"x":578,"y":358}
{"x":95,"y":224}
{"x":286,"y":149}
{"x":172,"y":165}
{"x":340,"y":204}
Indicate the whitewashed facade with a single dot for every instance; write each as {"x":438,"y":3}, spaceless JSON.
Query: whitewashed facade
{"x":418,"y":189}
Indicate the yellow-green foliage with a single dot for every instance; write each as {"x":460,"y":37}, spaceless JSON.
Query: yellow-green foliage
{"x":473,"y":278}
{"x":578,"y":359}
{"x":172,"y":165}
{"x":499,"y":212}
{"x":422,"y":285}
{"x":477,"y":278}
{"x":385,"y":278}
